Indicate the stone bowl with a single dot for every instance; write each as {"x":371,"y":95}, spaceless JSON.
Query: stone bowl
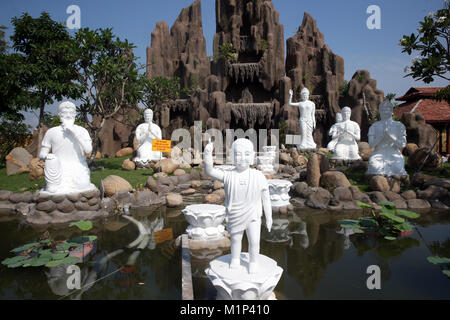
{"x":205,"y":215}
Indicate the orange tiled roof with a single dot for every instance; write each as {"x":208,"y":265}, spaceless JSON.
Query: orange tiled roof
{"x":416,"y":93}
{"x":432,"y":110}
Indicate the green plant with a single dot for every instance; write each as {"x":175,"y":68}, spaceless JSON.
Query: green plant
{"x":343,"y":89}
{"x":263,"y":45}
{"x":432,"y":43}
{"x":441,"y":262}
{"x":228,"y":52}
{"x":46,"y":252}
{"x":388,"y":223}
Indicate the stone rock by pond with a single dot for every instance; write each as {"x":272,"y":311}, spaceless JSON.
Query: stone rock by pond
{"x":433,"y":192}
{"x":174,"y":200}
{"x":152,"y":184}
{"x":409,"y":194}
{"x":167,"y":166}
{"x":313,"y":171}
{"x":333,"y":179}
{"x":342,"y":194}
{"x":113,"y":184}
{"x":432,"y":163}
{"x":179,"y":172}
{"x":377,"y":196}
{"x":418,"y":204}
{"x":147,"y":198}
{"x":438,"y":182}
{"x":301,"y":161}
{"x":188,"y":192}
{"x":5,"y":194}
{"x":379,"y":183}
{"x":213,"y":198}
{"x":318,"y":198}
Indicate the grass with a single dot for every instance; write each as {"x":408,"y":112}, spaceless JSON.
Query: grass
{"x":112,"y":166}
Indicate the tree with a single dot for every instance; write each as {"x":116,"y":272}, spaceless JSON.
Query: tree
{"x":13,"y":133}
{"x":3,"y":43}
{"x":432,"y":43}
{"x":160,"y":90}
{"x":109,"y":78}
{"x":46,"y":64}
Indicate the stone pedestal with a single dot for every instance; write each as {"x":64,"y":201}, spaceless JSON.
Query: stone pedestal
{"x":205,"y":222}
{"x":238,"y":284}
{"x":265,"y":165}
{"x":279,"y":192}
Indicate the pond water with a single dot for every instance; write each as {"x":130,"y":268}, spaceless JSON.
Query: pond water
{"x":319,"y":261}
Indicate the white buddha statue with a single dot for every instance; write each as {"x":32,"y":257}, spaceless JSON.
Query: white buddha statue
{"x":307,"y":119}
{"x":64,"y":150}
{"x":247,"y":193}
{"x":334,"y":133}
{"x":346,"y":133}
{"x":145,"y":133}
{"x":388,"y":137}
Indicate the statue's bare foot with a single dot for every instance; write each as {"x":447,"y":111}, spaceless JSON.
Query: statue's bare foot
{"x":252,"y":268}
{"x":235,"y":264}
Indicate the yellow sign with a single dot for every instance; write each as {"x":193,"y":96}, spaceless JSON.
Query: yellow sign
{"x":163,"y":235}
{"x":161,"y":145}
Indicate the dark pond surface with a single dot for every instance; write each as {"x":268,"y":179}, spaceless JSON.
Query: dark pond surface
{"x":319,"y":261}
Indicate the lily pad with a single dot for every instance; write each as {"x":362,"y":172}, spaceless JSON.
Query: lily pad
{"x":387,"y":204}
{"x":446,"y":272}
{"x":25,"y":247}
{"x":83,"y":239}
{"x":438,"y":260}
{"x":82,"y":225}
{"x":14,"y":260}
{"x":390,"y":238}
{"x":408,"y":214}
{"x":67,"y":260}
{"x":364,"y":205}
{"x":388,"y":214}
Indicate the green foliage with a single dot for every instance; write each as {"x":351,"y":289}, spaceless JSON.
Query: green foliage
{"x":46,"y":252}
{"x":431,"y":42}
{"x":160,"y":90}
{"x":343,"y":90}
{"x":3,"y":43}
{"x":108,"y":76}
{"x":263,"y":45}
{"x":283,"y":128}
{"x":82,"y":225}
{"x":45,"y":66}
{"x":389,"y":97}
{"x":387,"y":223}
{"x":442,"y":263}
{"x":228,"y":52}
{"x":13,"y":133}
{"x":443,"y":94}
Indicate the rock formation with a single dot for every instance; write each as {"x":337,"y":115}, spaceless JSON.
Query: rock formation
{"x":181,"y":53}
{"x":418,"y":131}
{"x":310,"y":63}
{"x":363,"y":98}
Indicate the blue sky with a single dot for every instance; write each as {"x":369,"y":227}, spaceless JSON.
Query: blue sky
{"x":342,"y":22}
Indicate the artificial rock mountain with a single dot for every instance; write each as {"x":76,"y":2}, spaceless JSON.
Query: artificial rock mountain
{"x":253,"y":90}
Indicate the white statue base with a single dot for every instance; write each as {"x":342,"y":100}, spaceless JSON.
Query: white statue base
{"x":279,"y":192}
{"x":238,"y":284}
{"x":205,"y":221}
{"x":66,"y":191}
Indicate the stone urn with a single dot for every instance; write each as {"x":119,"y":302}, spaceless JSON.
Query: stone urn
{"x":205,"y":221}
{"x":279,"y":192}
{"x":265,"y":165}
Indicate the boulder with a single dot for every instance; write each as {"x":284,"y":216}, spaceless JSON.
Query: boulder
{"x":392,"y":196}
{"x":5,"y":194}
{"x":420,"y":179}
{"x":334,"y":179}
{"x":128,"y":165}
{"x":377,"y":196}
{"x":188,"y":192}
{"x":146,"y":198}
{"x":174,"y":200}
{"x":152,"y":184}
{"x":299,"y":188}
{"x":418,"y":131}
{"x":285,"y":158}
{"x":179,"y":172}
{"x":313,"y":171}
{"x":301,"y":161}
{"x":47,"y":206}
{"x":113,"y":184}
{"x":438,"y":182}
{"x":433,"y":192}
{"x":342,"y":194}
{"x":167,"y":166}
{"x":409,"y":149}
{"x":213,"y":198}
{"x":432,"y":160}
{"x":400,"y":204}
{"x":124,"y":152}
{"x":358,"y":195}
{"x":217,"y":185}
{"x":418,"y":204}
{"x":185,"y":178}
{"x":319,"y":198}
{"x":366,"y":153}
{"x":379,"y":183}
{"x":409,"y":194}
{"x":160,"y":175}
{"x":17,"y":161}
{"x":36,"y":168}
